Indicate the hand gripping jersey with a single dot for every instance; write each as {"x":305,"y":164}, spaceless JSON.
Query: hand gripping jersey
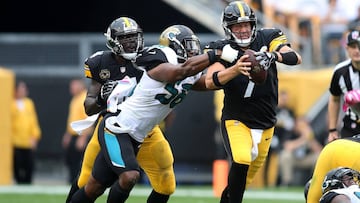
{"x":151,"y":100}
{"x":352,"y":192}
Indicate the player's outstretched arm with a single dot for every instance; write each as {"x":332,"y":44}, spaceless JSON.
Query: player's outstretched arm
{"x":170,"y":73}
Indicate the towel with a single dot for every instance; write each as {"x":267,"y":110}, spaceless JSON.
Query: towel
{"x":80,"y":125}
{"x":256,"y":137}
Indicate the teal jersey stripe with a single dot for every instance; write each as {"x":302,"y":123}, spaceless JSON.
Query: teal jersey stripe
{"x":114,"y":149}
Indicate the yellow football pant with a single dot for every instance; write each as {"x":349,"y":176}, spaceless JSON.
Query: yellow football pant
{"x":341,"y":152}
{"x":240,"y":140}
{"x":154,"y":157}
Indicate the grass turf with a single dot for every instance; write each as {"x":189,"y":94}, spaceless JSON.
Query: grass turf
{"x":193,"y":194}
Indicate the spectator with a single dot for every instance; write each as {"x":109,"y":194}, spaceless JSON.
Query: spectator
{"x":302,"y":17}
{"x":283,"y":128}
{"x":299,"y":151}
{"x":26,"y":134}
{"x":355,"y":24}
{"x":334,"y":23}
{"x":74,"y":144}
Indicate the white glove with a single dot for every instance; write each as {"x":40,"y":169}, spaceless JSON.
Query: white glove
{"x":107,"y":88}
{"x":266,"y":58}
{"x":122,"y":90}
{"x":229,"y":54}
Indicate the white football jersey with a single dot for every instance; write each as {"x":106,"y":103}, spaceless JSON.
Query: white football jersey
{"x":150,"y":102}
{"x":352,"y":192}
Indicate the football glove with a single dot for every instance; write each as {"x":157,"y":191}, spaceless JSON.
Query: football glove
{"x":266,"y":58}
{"x":229,"y":54}
{"x":106,"y":89}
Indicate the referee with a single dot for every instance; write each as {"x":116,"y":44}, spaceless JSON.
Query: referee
{"x":345,"y":78}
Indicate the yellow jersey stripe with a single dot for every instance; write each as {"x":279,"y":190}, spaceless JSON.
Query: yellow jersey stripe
{"x":87,"y":72}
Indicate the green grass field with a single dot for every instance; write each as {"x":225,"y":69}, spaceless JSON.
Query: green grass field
{"x":183,"y":194}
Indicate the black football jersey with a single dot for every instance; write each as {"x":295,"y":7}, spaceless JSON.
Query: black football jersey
{"x":103,"y":66}
{"x":253,"y":104}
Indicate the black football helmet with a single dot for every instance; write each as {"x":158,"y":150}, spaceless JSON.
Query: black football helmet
{"x":124,"y":37}
{"x":182,"y":40}
{"x":238,"y":12}
{"x":335,"y":179}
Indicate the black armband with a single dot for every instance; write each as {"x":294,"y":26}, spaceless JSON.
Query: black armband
{"x":216,"y":79}
{"x":212,"y":56}
{"x":332,"y":130}
{"x":289,"y":58}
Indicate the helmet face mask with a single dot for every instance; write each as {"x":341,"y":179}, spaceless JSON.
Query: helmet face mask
{"x":182,"y":40}
{"x":239,"y":12}
{"x":124,"y":38}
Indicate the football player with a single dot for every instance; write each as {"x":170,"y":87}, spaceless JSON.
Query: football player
{"x":125,"y":40}
{"x":338,"y":153}
{"x":249,"y":112}
{"x":341,"y":185}
{"x":164,"y":84}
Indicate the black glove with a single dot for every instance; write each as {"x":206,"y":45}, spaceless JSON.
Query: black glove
{"x":266,"y":58}
{"x":106,"y":90}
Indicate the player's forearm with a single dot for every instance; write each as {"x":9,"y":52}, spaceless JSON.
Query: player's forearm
{"x":91,"y":106}
{"x":197,"y":63}
{"x":333,"y":112}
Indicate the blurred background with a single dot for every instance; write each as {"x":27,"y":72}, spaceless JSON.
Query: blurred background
{"x":46,"y":42}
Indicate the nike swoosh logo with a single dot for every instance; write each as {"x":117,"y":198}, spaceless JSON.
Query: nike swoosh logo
{"x":152,"y":52}
{"x":267,"y":138}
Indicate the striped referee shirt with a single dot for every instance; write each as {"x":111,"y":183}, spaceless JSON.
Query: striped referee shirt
{"x":346,"y":78}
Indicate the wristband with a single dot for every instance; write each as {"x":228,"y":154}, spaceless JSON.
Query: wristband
{"x":332,"y":130}
{"x":212,"y":56}
{"x":289,"y":58}
{"x":216,"y":79}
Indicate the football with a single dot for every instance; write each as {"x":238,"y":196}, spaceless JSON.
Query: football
{"x":257,"y":73}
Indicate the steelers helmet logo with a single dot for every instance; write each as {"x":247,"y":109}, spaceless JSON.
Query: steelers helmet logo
{"x":104,"y":74}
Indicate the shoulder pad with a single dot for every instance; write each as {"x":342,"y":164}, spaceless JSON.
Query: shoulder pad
{"x":155,"y":55}
{"x":93,"y":63}
{"x":94,"y":59}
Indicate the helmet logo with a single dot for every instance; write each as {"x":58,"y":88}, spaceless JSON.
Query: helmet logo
{"x":104,"y":74}
{"x":172,"y":36}
{"x":128,"y":25}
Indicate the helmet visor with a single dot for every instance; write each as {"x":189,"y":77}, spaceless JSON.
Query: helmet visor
{"x":192,"y":47}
